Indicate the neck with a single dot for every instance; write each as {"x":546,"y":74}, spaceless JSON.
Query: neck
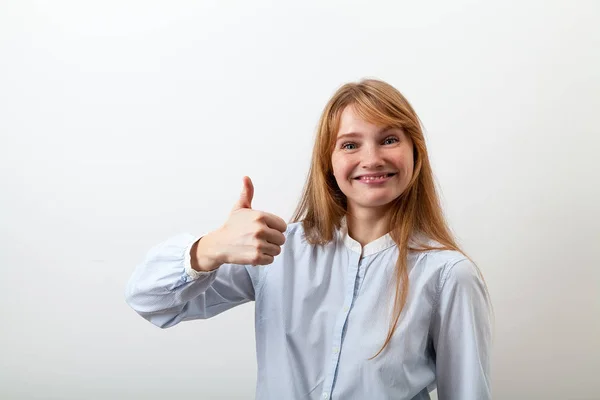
{"x":366,"y":225}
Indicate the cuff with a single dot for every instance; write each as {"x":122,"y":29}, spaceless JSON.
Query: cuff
{"x":191,"y":272}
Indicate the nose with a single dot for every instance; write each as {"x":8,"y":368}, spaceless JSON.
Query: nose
{"x":372,"y":158}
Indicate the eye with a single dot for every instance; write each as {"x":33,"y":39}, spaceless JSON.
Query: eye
{"x":388,"y":140}
{"x":393,"y":138}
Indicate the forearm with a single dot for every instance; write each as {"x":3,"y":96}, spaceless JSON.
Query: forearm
{"x":160,"y":283}
{"x":164,"y":289}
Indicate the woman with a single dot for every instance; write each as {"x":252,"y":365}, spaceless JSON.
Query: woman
{"x":365,"y":294}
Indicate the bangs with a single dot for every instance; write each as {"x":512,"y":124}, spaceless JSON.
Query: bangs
{"x":368,"y":108}
{"x":376,"y":112}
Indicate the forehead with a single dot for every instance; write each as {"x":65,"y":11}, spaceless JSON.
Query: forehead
{"x":352,"y":122}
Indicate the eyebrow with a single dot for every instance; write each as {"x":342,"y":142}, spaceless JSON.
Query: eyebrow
{"x":356,"y":134}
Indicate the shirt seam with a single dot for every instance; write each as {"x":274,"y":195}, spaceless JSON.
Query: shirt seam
{"x":445,"y":273}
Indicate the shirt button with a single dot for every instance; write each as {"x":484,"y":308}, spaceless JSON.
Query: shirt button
{"x":325,"y":395}
{"x":336,"y":350}
{"x":346,"y":309}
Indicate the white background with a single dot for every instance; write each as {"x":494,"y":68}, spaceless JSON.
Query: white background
{"x":126,"y":122}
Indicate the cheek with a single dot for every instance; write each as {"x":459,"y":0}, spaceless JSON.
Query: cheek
{"x":406,"y":161}
{"x":343,"y":171}
{"x":339,"y":167}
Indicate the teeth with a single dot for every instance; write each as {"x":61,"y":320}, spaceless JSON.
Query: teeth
{"x":370,"y":178}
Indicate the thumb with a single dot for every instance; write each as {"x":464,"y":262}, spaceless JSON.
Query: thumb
{"x":245,"y":200}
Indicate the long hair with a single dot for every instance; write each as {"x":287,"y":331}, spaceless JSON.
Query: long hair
{"x":417,"y":210}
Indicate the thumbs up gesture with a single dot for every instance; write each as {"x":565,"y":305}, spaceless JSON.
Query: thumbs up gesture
{"x":248,"y":236}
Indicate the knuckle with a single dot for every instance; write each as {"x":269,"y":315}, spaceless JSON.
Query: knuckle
{"x":259,"y":227}
{"x":256,"y":232}
{"x":257,"y":257}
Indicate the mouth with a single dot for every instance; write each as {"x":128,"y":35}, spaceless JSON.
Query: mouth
{"x":374,"y":178}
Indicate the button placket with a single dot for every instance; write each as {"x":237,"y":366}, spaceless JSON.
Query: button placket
{"x":341,"y":327}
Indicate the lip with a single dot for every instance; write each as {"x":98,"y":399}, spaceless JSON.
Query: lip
{"x":375,"y":174}
{"x":375,"y":182}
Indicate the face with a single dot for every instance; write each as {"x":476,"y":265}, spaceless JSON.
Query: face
{"x":372,"y":164}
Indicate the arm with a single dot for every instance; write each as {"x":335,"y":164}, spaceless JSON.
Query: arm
{"x":165,"y":289}
{"x":461,"y":332}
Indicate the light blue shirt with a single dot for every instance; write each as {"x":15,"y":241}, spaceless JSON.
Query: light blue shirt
{"x":322,"y":311}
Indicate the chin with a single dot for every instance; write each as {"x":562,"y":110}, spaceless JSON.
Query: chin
{"x":374,"y":203}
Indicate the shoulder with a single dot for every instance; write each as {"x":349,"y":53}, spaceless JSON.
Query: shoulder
{"x":294,"y":228}
{"x":450,"y":269}
{"x":294,"y":234}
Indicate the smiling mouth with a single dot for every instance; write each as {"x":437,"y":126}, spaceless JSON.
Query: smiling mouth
{"x":374,"y":178}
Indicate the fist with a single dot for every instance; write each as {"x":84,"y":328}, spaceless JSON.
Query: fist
{"x":249,"y":236}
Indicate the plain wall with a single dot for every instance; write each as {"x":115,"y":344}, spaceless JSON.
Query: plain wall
{"x":123,"y":123}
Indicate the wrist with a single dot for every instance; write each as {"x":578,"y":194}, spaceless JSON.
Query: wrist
{"x":204,"y":255}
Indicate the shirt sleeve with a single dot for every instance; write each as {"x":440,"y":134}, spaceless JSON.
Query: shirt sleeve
{"x":165,"y":290}
{"x":461,"y":333}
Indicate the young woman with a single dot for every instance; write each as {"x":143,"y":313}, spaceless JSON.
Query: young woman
{"x":365,"y":294}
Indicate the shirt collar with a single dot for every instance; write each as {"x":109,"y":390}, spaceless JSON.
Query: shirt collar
{"x":377,"y":245}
